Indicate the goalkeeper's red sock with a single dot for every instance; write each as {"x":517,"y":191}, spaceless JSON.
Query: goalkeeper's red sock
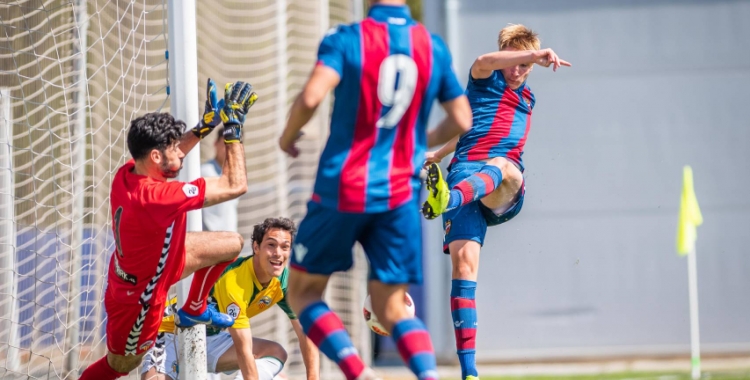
{"x":203,"y":281}
{"x":101,"y":370}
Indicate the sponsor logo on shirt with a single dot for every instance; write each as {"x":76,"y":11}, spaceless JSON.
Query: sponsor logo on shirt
{"x":190,"y":190}
{"x":122,"y":274}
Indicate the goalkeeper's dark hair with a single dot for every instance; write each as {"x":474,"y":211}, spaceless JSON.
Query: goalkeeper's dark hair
{"x":156,"y":130}
{"x":260,"y":230}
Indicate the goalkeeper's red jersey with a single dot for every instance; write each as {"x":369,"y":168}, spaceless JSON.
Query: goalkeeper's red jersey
{"x":149,"y":224}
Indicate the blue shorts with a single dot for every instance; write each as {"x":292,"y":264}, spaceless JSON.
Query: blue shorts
{"x":470,"y":222}
{"x":392,"y":241}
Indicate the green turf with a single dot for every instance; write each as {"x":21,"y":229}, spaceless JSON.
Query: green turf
{"x":736,"y":375}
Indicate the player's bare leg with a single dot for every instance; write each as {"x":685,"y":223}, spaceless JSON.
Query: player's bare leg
{"x":321,"y":324}
{"x":388,"y":303}
{"x":207,"y":254}
{"x":122,"y":363}
{"x":464,"y":259}
{"x":305,"y":289}
{"x":269,"y":359}
{"x":153,"y":374}
{"x":504,"y":195}
{"x":207,"y":248}
{"x":409,"y":333}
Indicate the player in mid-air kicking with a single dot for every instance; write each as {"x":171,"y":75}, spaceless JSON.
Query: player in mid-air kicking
{"x":485,"y":185}
{"x":386,"y":71}
{"x":248,"y":287}
{"x":152,"y":248}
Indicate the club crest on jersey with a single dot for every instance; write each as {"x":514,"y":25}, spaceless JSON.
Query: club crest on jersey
{"x":146,"y":345}
{"x":447,"y":226}
{"x":264,"y":301}
{"x":527,"y":100}
{"x":190,"y":190}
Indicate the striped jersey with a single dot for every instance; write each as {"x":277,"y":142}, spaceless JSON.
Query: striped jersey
{"x":502,"y":119}
{"x":391,"y":69}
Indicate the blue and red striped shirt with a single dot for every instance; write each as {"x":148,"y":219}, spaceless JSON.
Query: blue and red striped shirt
{"x":391,"y":69}
{"x":502,"y":119}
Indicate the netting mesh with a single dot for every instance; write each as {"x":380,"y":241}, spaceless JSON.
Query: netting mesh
{"x":72,"y":75}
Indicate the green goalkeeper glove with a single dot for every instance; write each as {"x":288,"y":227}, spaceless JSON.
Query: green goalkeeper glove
{"x":211,"y":116}
{"x":238,"y":98}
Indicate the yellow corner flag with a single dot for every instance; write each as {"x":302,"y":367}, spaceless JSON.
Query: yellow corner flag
{"x":690,"y":215}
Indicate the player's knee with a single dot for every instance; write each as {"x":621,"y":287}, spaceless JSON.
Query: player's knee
{"x":509,"y":170}
{"x":278,"y":352}
{"x":241,"y":242}
{"x":466,"y":262}
{"x":513,"y":175}
{"x":464,"y":271}
{"x":237,"y":243}
{"x":124,"y":364}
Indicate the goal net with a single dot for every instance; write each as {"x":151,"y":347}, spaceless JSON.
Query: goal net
{"x":73,"y":74}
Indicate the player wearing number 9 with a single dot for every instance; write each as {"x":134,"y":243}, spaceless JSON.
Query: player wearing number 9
{"x":386,"y":72}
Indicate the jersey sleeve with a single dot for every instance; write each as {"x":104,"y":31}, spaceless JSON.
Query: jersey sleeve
{"x":164,"y":201}
{"x":496,"y":78}
{"x":287,"y":309}
{"x":229,"y":298}
{"x":449,"y":88}
{"x":284,"y":280}
{"x":331,"y":50}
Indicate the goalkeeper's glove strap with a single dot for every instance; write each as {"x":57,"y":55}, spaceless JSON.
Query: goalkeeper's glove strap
{"x":232,"y":133}
{"x":202,"y":130}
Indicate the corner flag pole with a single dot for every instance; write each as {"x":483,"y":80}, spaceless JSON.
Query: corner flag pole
{"x":690,"y":218}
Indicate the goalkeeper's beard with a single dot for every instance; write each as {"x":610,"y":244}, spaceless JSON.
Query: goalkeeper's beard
{"x":168,"y":172}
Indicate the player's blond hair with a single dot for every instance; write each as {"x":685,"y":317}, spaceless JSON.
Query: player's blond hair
{"x":518,"y":37}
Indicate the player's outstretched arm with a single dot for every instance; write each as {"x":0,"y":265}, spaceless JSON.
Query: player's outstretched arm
{"x":232,"y":183}
{"x":243,"y":346}
{"x":457,"y":122}
{"x":309,"y":351}
{"x":322,"y":80}
{"x":485,"y":64}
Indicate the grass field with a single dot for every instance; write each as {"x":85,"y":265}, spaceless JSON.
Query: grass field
{"x":632,"y":376}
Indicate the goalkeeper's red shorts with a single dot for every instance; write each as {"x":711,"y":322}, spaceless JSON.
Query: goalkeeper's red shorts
{"x":131,"y":328}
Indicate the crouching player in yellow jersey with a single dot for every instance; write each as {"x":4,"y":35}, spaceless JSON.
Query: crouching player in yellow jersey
{"x":248,"y":287}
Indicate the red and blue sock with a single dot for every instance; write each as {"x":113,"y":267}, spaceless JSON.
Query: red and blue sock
{"x":415,"y":347}
{"x":464,"y":312}
{"x":475,"y":186}
{"x":327,"y":331}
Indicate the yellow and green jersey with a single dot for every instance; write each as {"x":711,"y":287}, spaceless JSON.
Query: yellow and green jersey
{"x":239,"y":294}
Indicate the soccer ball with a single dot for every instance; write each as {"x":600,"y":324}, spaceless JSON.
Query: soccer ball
{"x":372,"y":320}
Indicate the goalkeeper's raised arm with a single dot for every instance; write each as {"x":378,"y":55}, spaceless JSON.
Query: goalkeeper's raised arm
{"x":238,"y":98}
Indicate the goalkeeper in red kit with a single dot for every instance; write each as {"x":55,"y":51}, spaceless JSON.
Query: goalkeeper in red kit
{"x":153,"y":250}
